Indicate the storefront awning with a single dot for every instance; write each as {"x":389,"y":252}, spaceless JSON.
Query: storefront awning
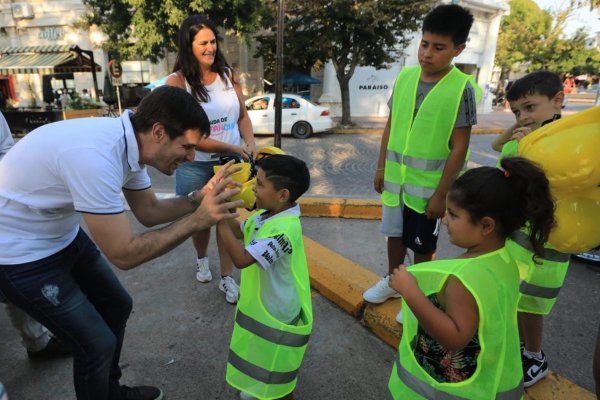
{"x":45,"y":60}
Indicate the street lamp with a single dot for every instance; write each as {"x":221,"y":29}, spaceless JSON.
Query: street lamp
{"x":278,"y":74}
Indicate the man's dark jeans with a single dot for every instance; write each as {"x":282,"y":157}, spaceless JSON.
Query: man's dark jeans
{"x":77,"y":296}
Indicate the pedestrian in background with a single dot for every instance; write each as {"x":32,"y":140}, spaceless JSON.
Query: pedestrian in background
{"x":425,"y":142}
{"x":202,"y":70}
{"x":35,"y":338}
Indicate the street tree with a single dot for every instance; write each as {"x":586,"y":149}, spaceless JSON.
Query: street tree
{"x":349,"y":33}
{"x":535,"y":38}
{"x":521,"y":33}
{"x":148,"y":28}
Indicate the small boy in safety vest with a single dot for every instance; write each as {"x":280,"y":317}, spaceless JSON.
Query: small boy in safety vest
{"x":536,"y":99}
{"x":425,"y":142}
{"x":274,"y":313}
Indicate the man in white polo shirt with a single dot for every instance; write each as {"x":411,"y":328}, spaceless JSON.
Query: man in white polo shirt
{"x":67,"y":170}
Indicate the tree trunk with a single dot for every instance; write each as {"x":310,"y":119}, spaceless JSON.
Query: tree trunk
{"x":345,"y":91}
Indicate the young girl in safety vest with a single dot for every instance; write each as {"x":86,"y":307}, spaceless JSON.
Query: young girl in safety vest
{"x":460,"y":336}
{"x":274,"y":313}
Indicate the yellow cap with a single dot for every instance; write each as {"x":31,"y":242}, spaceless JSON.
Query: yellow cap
{"x":246,"y":194}
{"x":239,"y":176}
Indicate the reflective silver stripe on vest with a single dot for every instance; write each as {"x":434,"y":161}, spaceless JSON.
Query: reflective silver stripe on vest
{"x":420,"y":387}
{"x":392,"y":187}
{"x":271,"y":334}
{"x":259,"y":373}
{"x":418,"y":191}
{"x":522,"y":240}
{"x":538,"y":291}
{"x":414,"y":162}
{"x":393,"y":156}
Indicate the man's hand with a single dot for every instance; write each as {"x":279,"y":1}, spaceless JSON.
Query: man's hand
{"x":436,"y":206}
{"x":520,"y":133}
{"x":215,"y":207}
{"x":223,"y":173}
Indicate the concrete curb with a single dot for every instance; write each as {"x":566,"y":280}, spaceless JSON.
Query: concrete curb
{"x":343,"y":282}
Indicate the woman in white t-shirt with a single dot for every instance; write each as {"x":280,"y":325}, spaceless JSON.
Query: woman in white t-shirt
{"x":202,"y":70}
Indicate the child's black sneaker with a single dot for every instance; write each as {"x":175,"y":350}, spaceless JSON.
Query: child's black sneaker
{"x":140,"y":393}
{"x":534,"y":369}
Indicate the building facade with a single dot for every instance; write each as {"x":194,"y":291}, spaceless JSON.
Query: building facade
{"x":39,"y":46}
{"x":370,"y":88}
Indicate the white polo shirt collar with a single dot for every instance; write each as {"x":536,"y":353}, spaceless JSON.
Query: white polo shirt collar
{"x":131,"y":145}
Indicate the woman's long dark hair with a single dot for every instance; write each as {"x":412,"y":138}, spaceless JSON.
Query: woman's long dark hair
{"x":516,"y":195}
{"x":187,"y":63}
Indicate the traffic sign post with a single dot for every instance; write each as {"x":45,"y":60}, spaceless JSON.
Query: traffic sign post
{"x":116,"y":71}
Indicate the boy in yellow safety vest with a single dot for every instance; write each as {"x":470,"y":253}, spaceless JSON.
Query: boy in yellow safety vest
{"x":536,"y":100}
{"x":425,"y":141}
{"x":274,"y":314}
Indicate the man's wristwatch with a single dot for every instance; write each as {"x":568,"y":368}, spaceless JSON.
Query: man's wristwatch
{"x":191,"y":196}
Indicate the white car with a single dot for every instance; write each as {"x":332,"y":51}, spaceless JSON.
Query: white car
{"x":299,"y":117}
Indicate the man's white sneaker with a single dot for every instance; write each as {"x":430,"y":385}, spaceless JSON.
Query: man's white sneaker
{"x":246,"y":396}
{"x":380,"y":292}
{"x":202,"y":270}
{"x":230,"y":288}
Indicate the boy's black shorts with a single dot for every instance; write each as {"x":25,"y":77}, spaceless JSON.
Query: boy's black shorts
{"x":420,"y":234}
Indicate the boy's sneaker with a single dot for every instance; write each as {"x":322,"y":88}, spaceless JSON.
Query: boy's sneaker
{"x":202,"y":270}
{"x":246,"y":396}
{"x":399,"y":317}
{"x":380,"y":292}
{"x":140,"y":393}
{"x":230,"y":288}
{"x":534,"y":369}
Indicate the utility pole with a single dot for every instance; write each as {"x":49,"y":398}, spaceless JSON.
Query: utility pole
{"x":278,"y":74}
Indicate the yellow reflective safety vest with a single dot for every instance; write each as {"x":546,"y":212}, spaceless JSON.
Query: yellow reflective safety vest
{"x":540,"y":283}
{"x":419,"y":147}
{"x":493,"y":280}
{"x":265,"y":354}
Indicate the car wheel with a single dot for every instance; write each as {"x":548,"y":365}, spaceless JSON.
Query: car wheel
{"x":590,"y":257}
{"x":301,"y":130}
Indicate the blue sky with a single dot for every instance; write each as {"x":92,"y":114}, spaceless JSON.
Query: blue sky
{"x":581,"y":18}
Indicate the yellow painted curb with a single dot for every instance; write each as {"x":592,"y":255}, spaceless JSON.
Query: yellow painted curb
{"x":381,"y":319}
{"x":340,"y":208}
{"x":555,"y":387}
{"x":337,"y":278}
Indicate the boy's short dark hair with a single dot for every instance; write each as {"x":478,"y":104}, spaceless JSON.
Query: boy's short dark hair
{"x":173,"y":107}
{"x":544,"y":83}
{"x":286,"y":172}
{"x":449,"y":20}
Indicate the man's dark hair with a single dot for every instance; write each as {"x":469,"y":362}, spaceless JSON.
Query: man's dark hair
{"x":286,"y":172}
{"x":544,"y":83}
{"x":173,"y":107}
{"x":449,"y":20}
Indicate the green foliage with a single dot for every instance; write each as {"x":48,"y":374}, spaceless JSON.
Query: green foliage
{"x":521,"y":33}
{"x":534,"y":37}
{"x":148,"y":28}
{"x":350,"y":33}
